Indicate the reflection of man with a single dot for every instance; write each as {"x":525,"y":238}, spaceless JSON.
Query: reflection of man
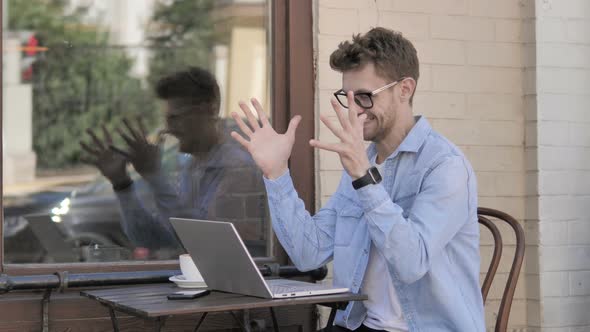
{"x":402,"y":225}
{"x":216,"y":178}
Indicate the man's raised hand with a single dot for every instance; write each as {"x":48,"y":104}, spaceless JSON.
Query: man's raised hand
{"x":351,"y":147}
{"x":269,"y":149}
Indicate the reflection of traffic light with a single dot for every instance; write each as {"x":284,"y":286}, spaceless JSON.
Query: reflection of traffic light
{"x":30,"y":52}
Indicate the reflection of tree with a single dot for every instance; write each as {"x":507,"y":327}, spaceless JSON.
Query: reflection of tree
{"x":80,"y":82}
{"x":181,"y":34}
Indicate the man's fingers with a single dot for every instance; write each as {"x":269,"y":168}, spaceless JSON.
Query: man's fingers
{"x":340,"y":114}
{"x":293,"y":124}
{"x":243,"y":127}
{"x":352,"y":109}
{"x":107,"y":135}
{"x":260,"y":111}
{"x":361,"y":119}
{"x":130,"y":141}
{"x":142,"y":129}
{"x":132,"y":131}
{"x":335,"y":130}
{"x":240,"y":140}
{"x":120,"y":151}
{"x":95,"y":139}
{"x":334,"y":147}
{"x":89,"y":150}
{"x":251,"y":118}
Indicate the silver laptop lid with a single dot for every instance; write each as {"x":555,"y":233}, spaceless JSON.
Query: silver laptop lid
{"x":53,"y":240}
{"x":221,"y":256}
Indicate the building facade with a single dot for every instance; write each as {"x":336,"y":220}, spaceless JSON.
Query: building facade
{"x":507,"y":81}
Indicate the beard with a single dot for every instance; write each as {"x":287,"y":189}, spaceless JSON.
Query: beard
{"x":370,"y":127}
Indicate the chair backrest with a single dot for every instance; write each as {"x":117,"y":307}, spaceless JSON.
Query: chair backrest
{"x":487,"y":217}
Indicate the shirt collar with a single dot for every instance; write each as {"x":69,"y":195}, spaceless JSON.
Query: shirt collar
{"x":413,"y":141}
{"x":416,"y":136}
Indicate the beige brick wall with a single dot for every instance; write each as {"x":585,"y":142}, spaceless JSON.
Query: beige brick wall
{"x":472,"y":90}
{"x":560,"y":132}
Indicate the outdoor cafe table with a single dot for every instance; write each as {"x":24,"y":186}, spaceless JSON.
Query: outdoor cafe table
{"x":150,"y":303}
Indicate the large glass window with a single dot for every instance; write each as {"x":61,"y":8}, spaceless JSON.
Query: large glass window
{"x":116,"y":116}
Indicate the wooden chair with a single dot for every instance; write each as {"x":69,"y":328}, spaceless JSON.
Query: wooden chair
{"x":487,"y":217}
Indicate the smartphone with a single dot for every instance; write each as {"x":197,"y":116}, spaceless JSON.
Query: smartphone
{"x":188,"y":295}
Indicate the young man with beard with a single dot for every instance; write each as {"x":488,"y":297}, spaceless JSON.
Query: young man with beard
{"x":402,"y":225}
{"x":216,"y":180}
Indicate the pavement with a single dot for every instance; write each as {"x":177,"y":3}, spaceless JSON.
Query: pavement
{"x":46,"y":183}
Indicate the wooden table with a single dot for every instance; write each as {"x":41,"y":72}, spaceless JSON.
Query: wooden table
{"x":150,"y":302}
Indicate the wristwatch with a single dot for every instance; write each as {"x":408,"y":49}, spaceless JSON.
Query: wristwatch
{"x":372,"y":177}
{"x":123,"y":185}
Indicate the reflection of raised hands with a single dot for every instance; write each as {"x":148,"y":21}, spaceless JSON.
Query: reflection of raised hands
{"x":108,"y":162}
{"x":351,"y":148}
{"x":143,"y":155}
{"x":269,"y":149}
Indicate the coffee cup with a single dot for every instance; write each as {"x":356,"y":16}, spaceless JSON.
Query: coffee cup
{"x":189,"y":269}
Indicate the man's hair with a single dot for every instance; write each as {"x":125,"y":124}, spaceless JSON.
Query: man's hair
{"x":194,"y":87}
{"x":393,"y":55}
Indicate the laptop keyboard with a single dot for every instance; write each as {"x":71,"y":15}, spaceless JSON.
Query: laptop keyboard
{"x":282,"y":286}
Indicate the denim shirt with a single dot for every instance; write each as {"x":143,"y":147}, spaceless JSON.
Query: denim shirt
{"x":422,"y":217}
{"x":227,"y":185}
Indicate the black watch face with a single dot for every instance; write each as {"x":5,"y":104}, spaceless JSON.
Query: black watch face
{"x":375,"y":175}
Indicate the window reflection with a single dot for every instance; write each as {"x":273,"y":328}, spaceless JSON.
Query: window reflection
{"x":126,"y":70}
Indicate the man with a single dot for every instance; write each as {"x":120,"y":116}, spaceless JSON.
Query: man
{"x":402,"y":225}
{"x":216,"y":179}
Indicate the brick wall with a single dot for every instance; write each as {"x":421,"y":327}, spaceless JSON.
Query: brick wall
{"x":473,"y":56}
{"x":558,"y":142}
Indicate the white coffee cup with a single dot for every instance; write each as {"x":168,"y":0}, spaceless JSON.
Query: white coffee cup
{"x":189,"y":269}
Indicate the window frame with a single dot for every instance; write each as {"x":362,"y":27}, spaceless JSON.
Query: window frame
{"x":292,"y":94}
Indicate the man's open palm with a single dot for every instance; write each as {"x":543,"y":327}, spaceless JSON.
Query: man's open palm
{"x":269,"y":149}
{"x":109,"y":163}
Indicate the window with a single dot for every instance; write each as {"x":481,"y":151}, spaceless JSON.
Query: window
{"x":78,"y":65}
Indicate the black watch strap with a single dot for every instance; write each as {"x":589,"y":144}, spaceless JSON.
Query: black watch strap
{"x":371,"y":177}
{"x":123,"y":185}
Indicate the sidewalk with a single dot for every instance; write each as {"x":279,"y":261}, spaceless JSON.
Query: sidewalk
{"x":45,"y":183}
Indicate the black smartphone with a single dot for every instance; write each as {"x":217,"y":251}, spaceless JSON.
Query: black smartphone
{"x":188,"y":294}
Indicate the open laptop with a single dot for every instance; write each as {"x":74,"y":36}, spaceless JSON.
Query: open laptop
{"x":51,"y":238}
{"x":225,"y":264}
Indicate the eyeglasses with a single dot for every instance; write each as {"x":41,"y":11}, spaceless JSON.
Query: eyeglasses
{"x":363,"y":99}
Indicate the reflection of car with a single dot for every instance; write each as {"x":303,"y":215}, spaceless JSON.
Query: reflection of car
{"x":88,"y":216}
{"x":20,"y":244}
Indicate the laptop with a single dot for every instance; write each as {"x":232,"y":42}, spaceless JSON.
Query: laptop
{"x":51,"y":238}
{"x":226,"y":265}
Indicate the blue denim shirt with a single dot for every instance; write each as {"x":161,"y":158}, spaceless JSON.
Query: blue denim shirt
{"x":227,"y":185}
{"x":422,"y":217}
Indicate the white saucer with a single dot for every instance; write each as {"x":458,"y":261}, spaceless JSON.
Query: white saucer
{"x":181,"y":282}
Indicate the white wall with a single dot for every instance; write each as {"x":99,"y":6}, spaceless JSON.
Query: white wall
{"x":509,"y":82}
{"x":561,"y":128}
{"x":471,"y":88}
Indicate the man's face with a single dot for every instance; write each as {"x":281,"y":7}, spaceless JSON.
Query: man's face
{"x":382,"y":116}
{"x":188,"y":125}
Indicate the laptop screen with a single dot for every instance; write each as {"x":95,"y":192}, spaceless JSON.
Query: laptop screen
{"x":221,"y":256}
